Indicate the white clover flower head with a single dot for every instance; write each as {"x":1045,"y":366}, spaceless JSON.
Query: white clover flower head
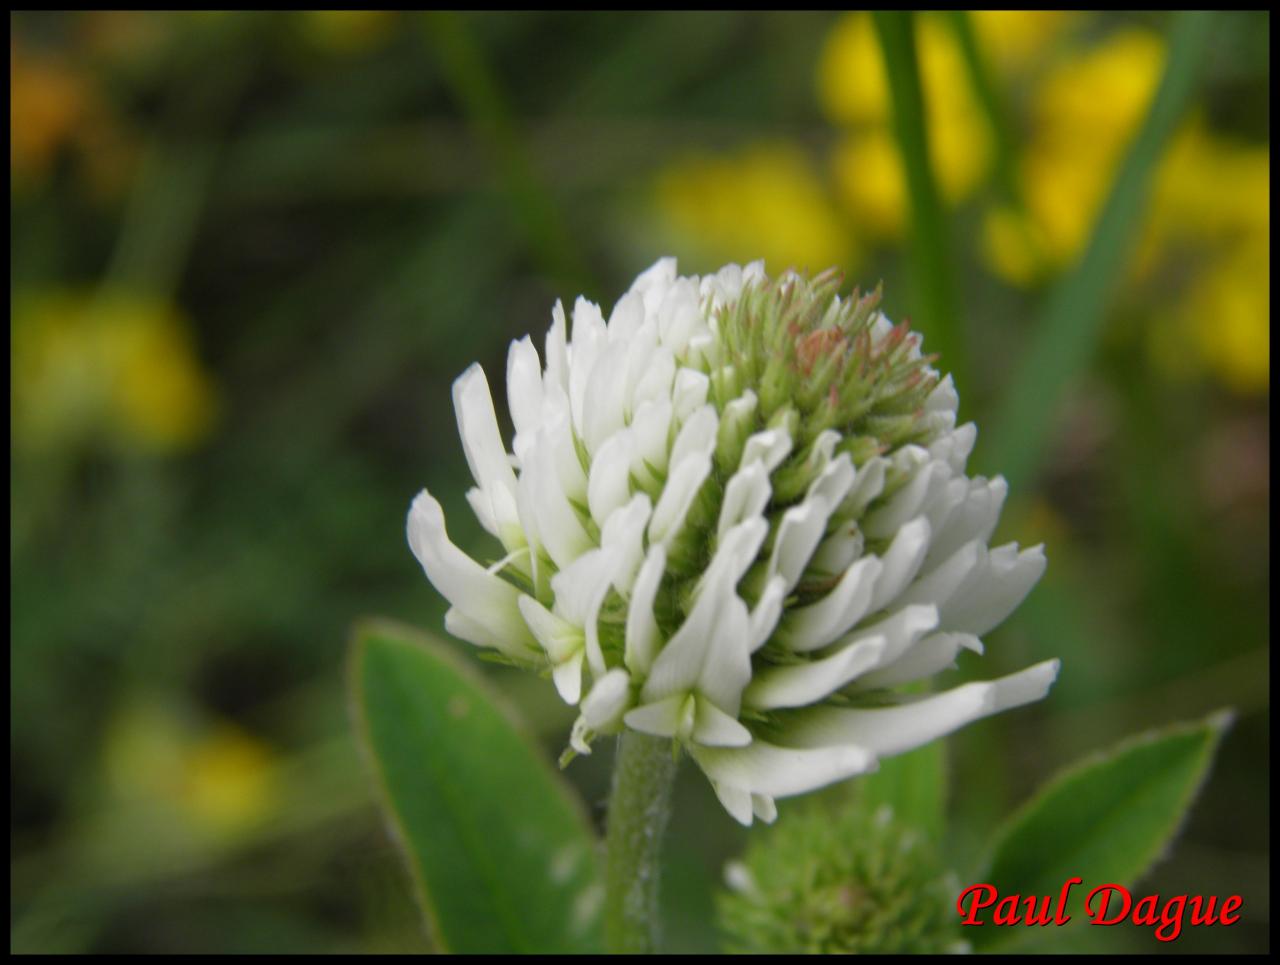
{"x":736,"y":515}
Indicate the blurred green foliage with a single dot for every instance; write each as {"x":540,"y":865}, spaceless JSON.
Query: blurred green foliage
{"x":250,"y":252}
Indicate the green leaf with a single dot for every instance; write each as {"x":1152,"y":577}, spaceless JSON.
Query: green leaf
{"x":1107,"y":819}
{"x":501,"y":853}
{"x":914,"y":785}
{"x":1076,"y":309}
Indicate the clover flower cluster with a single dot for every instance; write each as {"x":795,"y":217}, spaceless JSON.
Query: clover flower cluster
{"x":736,"y":515}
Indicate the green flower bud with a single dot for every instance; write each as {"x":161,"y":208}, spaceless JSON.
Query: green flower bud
{"x":836,"y":876}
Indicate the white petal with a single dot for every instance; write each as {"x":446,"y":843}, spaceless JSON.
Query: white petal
{"x":745,"y":496}
{"x":663,"y":718}
{"x":560,"y":638}
{"x":798,"y":536}
{"x":627,"y":317}
{"x":900,"y":630}
{"x":677,"y":496}
{"x":842,"y":545}
{"x":559,"y":528}
{"x":764,"y":808}
{"x":650,"y":438}
{"x":486,"y":599}
{"x":623,"y":537}
{"x":736,"y":551}
{"x":589,"y":338}
{"x":580,"y":736}
{"x":567,"y":677}
{"x":714,"y":728}
{"x":735,"y":425}
{"x":557,"y":353}
{"x":950,"y":578}
{"x":680,"y":315}
{"x":894,"y":730}
{"x":580,"y":589}
{"x":974,"y":518}
{"x":482,"y":634}
{"x":924,"y":658}
{"x":834,"y":481}
{"x":604,"y":401}
{"x":818,"y":624}
{"x":703,"y":352}
{"x":609,"y":482}
{"x":769,"y":447}
{"x":483,"y":508}
{"x":901,"y":562}
{"x":954,"y":447}
{"x":524,"y":386}
{"x":527,"y":506}
{"x":482,"y":443}
{"x":945,"y":497}
{"x":654,"y":381}
{"x":697,"y":435}
{"x":556,"y":434}
{"x":907,"y":502}
{"x":943,"y":397}
{"x":722,"y":287}
{"x":1005,"y":582}
{"x":764,"y":618}
{"x":781,"y":771}
{"x":689,"y":393}
{"x":727,"y":668}
{"x":680,"y":663}
{"x":868,"y":484}
{"x":604,"y":705}
{"x":653,"y":283}
{"x":642,"y":628}
{"x":798,"y":685}
{"x":736,"y":801}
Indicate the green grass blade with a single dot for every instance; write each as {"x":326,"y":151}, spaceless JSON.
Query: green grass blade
{"x":984,"y":87}
{"x":932,"y":272}
{"x":1072,"y":321}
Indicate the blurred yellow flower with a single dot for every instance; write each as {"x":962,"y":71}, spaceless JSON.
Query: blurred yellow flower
{"x":1016,"y":40}
{"x":853,"y":90}
{"x":227,"y":780}
{"x":214,"y":779}
{"x":115,"y":363}
{"x":852,"y":87}
{"x":1223,"y":324}
{"x":765,"y":201}
{"x":1211,"y":209}
{"x":1209,"y":190}
{"x":867,"y":170}
{"x":1083,"y":115}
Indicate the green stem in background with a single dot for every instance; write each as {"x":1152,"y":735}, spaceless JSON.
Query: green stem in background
{"x":1073,"y":317}
{"x":639,"y":806}
{"x":989,"y":97}
{"x":933,"y":282}
{"x":468,"y":74}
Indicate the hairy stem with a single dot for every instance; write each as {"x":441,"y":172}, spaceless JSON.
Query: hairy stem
{"x":639,"y":805}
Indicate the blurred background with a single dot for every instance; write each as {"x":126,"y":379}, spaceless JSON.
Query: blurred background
{"x":250,"y":253}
